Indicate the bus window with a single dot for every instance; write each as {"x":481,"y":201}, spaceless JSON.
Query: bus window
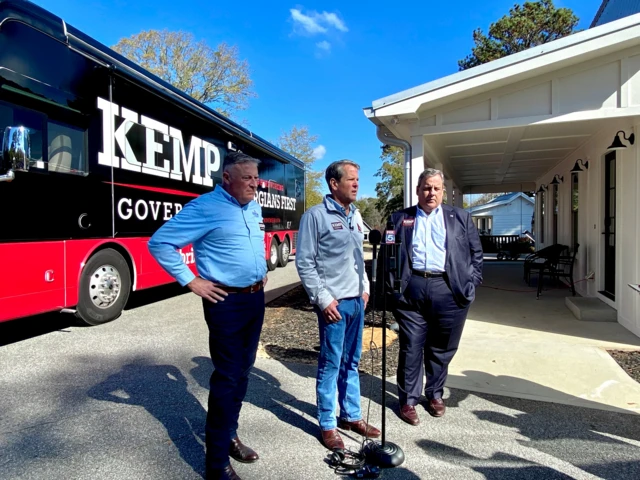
{"x":67,"y":149}
{"x":11,"y":116}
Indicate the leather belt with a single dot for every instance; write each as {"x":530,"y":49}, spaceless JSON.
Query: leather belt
{"x":420,"y":273}
{"x":256,"y":287}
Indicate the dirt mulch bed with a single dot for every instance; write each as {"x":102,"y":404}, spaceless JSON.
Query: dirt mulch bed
{"x":629,"y":361}
{"x":290,"y":333}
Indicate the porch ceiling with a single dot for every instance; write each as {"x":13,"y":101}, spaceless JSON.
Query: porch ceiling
{"x":508,"y":156}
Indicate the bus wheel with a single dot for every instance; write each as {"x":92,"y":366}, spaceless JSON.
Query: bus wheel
{"x":283,"y":253}
{"x":105,"y":284}
{"x":272,"y":260}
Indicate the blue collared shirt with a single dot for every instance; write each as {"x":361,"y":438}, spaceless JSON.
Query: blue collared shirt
{"x":227,"y":239}
{"x":340,"y":208}
{"x":429,"y":241}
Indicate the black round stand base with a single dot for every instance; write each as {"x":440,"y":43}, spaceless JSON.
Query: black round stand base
{"x":387,"y":456}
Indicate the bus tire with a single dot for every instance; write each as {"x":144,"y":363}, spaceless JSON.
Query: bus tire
{"x":272,"y":259}
{"x":105,"y":284}
{"x":283,"y":253}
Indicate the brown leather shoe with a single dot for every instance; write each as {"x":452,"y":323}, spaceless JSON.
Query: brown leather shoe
{"x":408,"y":414}
{"x":436,"y":407}
{"x":332,"y":439}
{"x":242,"y":453}
{"x":226,"y":473}
{"x":360,"y":427}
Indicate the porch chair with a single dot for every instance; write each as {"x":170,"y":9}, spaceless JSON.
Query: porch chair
{"x":542,"y":259}
{"x":562,"y":269}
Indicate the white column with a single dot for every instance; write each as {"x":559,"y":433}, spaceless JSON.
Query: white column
{"x":458,"y":198}
{"x":417,"y":166}
{"x":448,"y":185}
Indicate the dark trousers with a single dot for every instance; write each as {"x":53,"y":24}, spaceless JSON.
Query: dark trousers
{"x":234,"y":332}
{"x":431,"y":325}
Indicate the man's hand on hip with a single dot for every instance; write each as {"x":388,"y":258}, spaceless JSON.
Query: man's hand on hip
{"x":331,"y":314}
{"x":207,"y":290}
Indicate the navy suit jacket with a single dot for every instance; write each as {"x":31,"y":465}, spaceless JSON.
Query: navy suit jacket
{"x":463,"y":263}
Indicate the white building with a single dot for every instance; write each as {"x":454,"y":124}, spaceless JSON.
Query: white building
{"x":508,"y":214}
{"x":534,"y":121}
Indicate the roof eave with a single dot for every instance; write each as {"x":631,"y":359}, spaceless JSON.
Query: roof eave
{"x":506,"y":62}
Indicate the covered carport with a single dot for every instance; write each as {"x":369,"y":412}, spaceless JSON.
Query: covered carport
{"x":521,"y":123}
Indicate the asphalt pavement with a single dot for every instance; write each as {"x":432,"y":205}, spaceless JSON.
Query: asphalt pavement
{"x":127,"y":400}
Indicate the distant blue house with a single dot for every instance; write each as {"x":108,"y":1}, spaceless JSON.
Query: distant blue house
{"x":508,"y":214}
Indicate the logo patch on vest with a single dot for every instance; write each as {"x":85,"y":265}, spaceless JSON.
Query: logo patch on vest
{"x":408,"y":222}
{"x":337,"y":225}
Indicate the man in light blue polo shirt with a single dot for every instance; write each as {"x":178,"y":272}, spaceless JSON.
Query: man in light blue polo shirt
{"x":227,"y":233}
{"x":330,"y":262}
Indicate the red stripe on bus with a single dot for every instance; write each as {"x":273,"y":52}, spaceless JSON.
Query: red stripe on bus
{"x":156,"y":189}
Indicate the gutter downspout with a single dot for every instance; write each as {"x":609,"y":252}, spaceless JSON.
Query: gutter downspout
{"x":396,"y":142}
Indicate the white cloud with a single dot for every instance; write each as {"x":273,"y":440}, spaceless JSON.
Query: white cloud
{"x":333,"y":20}
{"x":324,"y":46}
{"x":313,"y":23}
{"x":319,"y":152}
{"x":308,"y":24}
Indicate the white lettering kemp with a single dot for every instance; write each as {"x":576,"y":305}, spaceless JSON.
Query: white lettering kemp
{"x":179,"y":165}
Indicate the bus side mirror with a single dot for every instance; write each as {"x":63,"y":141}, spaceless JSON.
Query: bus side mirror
{"x":16,"y":152}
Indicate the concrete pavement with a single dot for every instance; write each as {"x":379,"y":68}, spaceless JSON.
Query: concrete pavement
{"x":518,"y":346}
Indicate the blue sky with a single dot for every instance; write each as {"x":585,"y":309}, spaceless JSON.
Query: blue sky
{"x":316,"y":63}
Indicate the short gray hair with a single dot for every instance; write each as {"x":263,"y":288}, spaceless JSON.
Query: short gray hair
{"x":428,"y":173}
{"x":238,"y":158}
{"x":336,"y":170}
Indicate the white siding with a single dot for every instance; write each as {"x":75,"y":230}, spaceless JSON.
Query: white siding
{"x":591,"y":222}
{"x":509,"y":219}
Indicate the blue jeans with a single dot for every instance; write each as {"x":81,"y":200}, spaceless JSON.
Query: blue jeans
{"x":340,"y":350}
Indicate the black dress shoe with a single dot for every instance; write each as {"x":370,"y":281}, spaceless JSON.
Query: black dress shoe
{"x":226,"y":473}
{"x":240,"y":452}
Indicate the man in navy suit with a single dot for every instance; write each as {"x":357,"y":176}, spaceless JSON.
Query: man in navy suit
{"x":440,"y":266}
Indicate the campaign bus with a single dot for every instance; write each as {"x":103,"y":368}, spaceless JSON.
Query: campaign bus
{"x":97,"y":153}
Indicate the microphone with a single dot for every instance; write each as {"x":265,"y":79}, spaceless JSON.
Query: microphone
{"x":398,"y":274}
{"x":390,"y":239}
{"x":374,"y":237}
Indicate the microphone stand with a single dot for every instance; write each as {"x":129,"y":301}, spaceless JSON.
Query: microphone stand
{"x":384,"y":454}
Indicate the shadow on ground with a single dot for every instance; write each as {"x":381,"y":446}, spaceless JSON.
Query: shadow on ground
{"x":162,"y":391}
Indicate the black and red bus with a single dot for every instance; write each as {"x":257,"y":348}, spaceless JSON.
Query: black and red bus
{"x":96,"y":154}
